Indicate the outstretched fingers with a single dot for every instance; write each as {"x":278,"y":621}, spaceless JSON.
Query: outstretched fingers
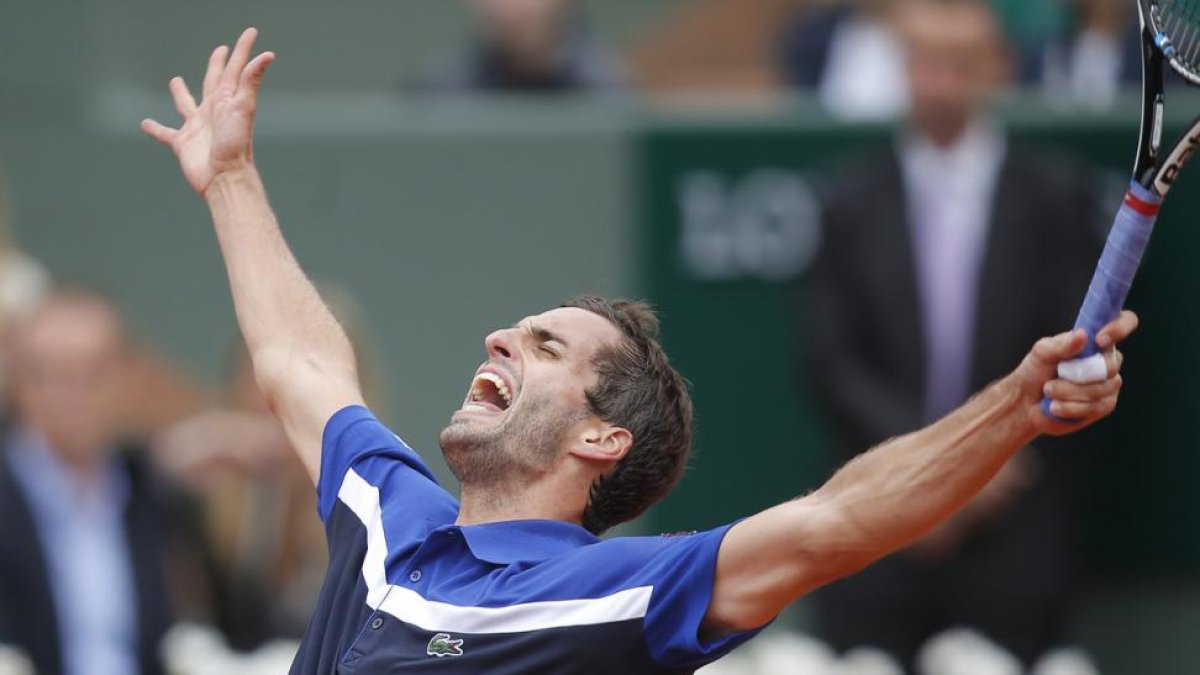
{"x":216,"y":66}
{"x":159,"y":132}
{"x":252,"y":74}
{"x":238,"y":60}
{"x":184,"y":103}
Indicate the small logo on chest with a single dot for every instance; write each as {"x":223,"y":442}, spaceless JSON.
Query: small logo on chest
{"x":442,"y":645}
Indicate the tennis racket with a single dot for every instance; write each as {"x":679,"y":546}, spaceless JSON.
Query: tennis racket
{"x":1170,"y":34}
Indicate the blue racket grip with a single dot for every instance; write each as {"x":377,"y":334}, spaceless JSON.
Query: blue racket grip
{"x":1110,"y":284}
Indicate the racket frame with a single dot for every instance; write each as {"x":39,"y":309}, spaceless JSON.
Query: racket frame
{"x":1158,"y":49}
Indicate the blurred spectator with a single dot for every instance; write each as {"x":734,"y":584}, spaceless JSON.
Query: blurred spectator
{"x":848,"y":53}
{"x":156,"y":394}
{"x":944,"y":260}
{"x":1087,"y":65}
{"x":261,"y":548}
{"x":1030,"y":26}
{"x":259,"y":551}
{"x":527,"y":47}
{"x":81,"y":578}
{"x":23,"y":282}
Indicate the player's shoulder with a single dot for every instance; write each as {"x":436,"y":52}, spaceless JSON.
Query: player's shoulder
{"x":364,"y":463}
{"x":642,"y":548}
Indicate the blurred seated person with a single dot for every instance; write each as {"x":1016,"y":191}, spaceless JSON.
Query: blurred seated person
{"x":259,"y":553}
{"x":849,"y":55}
{"x":526,"y":47}
{"x":158,"y":392}
{"x":1088,"y":65}
{"x":23,"y":281}
{"x":942,"y":258}
{"x":81,"y":570}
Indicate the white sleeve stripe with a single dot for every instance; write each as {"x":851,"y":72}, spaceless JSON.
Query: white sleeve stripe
{"x":363,"y":500}
{"x":408,"y":606}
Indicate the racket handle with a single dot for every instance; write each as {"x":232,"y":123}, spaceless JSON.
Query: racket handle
{"x":1110,"y":284}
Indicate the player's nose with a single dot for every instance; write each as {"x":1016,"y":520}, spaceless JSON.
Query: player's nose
{"x":500,"y":344}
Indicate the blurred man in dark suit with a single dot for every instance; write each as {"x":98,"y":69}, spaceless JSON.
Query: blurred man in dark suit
{"x":989,"y":246}
{"x":81,"y":577}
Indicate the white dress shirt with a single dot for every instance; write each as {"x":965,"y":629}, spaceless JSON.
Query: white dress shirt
{"x":86,"y":548}
{"x":950,"y":193}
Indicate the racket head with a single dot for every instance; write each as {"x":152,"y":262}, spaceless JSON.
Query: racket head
{"x":1174,"y":27}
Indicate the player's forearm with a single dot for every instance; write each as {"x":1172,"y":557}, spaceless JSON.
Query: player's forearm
{"x":890,"y":496}
{"x":893,"y":494}
{"x":285,"y":323}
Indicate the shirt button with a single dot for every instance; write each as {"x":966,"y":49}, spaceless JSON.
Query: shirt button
{"x":376,"y":623}
{"x":415,"y":576}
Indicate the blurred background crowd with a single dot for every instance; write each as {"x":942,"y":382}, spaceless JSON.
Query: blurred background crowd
{"x":851,"y":213}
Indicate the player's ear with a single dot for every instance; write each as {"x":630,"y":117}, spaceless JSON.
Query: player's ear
{"x":603,"y":442}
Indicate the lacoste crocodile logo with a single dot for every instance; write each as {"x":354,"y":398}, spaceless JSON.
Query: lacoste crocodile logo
{"x":441,"y":645}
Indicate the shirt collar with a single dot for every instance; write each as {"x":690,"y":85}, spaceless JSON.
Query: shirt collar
{"x":981,"y":142}
{"x":507,"y":542}
{"x":51,"y":483}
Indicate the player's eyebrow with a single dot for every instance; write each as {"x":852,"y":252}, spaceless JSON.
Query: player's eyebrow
{"x":541,"y":333}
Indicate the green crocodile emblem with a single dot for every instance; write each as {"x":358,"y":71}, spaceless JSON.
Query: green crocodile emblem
{"x":441,"y":645}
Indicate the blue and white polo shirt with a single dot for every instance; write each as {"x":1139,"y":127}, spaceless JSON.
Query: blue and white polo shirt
{"x":409,"y":591}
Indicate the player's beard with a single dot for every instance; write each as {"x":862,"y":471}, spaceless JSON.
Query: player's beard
{"x":524,"y":446}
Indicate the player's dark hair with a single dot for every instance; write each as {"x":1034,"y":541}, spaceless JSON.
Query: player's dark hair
{"x":640,"y":391}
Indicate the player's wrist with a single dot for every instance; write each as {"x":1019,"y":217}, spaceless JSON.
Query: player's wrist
{"x":230,"y":181}
{"x":1016,"y":397}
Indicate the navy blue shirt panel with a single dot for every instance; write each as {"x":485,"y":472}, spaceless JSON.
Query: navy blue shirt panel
{"x":341,"y":609}
{"x":407,"y":589}
{"x":392,"y":646}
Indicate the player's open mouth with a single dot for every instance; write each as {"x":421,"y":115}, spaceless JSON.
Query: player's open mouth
{"x":489,"y":393}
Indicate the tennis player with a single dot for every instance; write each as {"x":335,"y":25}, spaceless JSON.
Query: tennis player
{"x":574,"y":423}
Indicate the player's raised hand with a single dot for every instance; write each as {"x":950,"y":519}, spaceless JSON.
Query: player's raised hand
{"x":216,"y":136}
{"x":1074,"y":405}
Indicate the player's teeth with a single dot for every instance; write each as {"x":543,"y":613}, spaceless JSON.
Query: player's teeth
{"x":495,"y":380}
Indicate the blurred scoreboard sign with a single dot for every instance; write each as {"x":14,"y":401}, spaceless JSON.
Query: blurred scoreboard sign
{"x":762,"y":225}
{"x":728,"y":226}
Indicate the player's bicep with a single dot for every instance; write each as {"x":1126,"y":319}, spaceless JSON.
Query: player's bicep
{"x":771,"y":559}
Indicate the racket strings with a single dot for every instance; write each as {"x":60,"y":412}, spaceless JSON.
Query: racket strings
{"x":1178,"y":24}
